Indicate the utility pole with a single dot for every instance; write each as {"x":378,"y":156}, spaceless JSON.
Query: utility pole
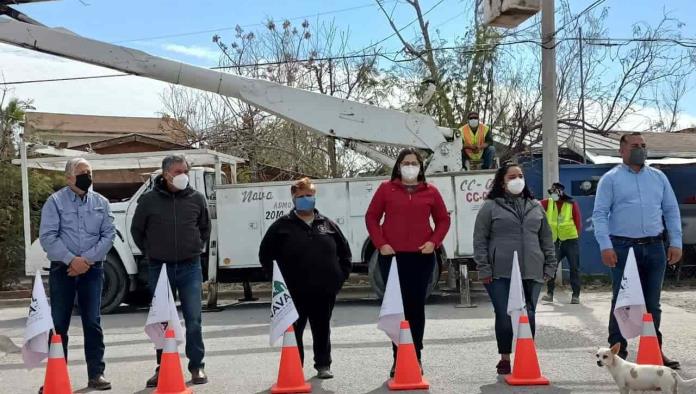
{"x":582,"y":102}
{"x":25,"y":194}
{"x":549,"y":118}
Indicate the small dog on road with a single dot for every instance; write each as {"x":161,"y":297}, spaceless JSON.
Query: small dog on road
{"x":632,"y":377}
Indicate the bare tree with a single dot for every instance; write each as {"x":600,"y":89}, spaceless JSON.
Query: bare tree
{"x":500,"y":74}
{"x":302,"y":56}
{"x":668,"y":103}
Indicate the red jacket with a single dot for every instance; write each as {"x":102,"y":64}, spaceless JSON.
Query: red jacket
{"x":406,"y":224}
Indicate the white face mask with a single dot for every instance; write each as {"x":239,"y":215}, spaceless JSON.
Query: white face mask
{"x":473,"y":123}
{"x":410,"y":173}
{"x":515,"y":186}
{"x":555,"y":197}
{"x":180,"y":181}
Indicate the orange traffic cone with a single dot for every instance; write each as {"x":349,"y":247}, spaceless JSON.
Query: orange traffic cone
{"x":407,"y":375}
{"x":290,"y":374}
{"x":648,"y":347}
{"x":525,"y":370}
{"x":171,"y":379}
{"x":57,"y":380}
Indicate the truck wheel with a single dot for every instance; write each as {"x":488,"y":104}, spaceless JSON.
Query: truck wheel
{"x":378,"y":284}
{"x":115,"y":284}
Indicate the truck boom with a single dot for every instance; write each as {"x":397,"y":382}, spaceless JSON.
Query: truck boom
{"x":331,"y":116}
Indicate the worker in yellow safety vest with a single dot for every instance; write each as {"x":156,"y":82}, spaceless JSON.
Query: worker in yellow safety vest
{"x":478,"y":142}
{"x":565,"y":220}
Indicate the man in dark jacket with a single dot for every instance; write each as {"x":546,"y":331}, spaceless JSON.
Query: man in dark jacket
{"x":171,"y":226}
{"x":314,"y":258}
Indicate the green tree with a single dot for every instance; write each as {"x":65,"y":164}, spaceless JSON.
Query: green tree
{"x":11,"y":219}
{"x":11,"y":119}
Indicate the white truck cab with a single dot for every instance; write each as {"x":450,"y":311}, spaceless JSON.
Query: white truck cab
{"x":125,"y":272}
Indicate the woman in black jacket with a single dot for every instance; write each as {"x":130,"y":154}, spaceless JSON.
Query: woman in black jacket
{"x":314,"y":258}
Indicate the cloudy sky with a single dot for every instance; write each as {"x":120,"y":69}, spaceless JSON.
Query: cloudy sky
{"x":181,"y":30}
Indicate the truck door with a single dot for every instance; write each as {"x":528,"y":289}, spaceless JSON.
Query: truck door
{"x":240,"y":213}
{"x":470,"y":192}
{"x":445,"y":186}
{"x":361,"y":193}
{"x":332,"y":202}
{"x":145,"y":188}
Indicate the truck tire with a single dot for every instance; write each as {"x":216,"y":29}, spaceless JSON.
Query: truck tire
{"x":378,"y":284}
{"x":115,"y":284}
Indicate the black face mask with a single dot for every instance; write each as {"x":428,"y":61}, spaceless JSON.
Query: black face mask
{"x":83,"y":182}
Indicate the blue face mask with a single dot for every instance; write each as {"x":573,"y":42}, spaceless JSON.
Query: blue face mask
{"x":305,"y":203}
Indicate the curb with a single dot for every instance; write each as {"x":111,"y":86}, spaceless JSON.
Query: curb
{"x":14,"y":302}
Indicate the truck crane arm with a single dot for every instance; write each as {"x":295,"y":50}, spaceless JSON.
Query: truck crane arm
{"x":331,"y":116}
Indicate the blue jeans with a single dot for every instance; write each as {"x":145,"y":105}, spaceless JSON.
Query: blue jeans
{"x":486,"y":158}
{"x":88,"y":287}
{"x":499,"y":291}
{"x":570,"y":250}
{"x":186,"y":279}
{"x":652,"y":262}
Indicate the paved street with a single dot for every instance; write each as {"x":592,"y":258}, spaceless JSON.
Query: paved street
{"x":460,"y":354}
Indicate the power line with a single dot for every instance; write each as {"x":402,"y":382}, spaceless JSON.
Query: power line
{"x":208,"y":31}
{"x":400,"y":30}
{"x":63,"y":79}
{"x":576,"y":17}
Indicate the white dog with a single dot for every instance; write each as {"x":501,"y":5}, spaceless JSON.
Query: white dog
{"x":632,"y":377}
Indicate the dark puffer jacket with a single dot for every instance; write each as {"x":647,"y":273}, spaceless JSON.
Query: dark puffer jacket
{"x":171,"y":227}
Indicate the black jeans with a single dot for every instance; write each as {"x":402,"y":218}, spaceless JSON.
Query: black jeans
{"x":499,"y":291}
{"x":186,"y":281}
{"x":88,"y":287}
{"x":317,"y":308}
{"x":415,"y":273}
{"x":652,"y":262}
{"x":570,"y":250}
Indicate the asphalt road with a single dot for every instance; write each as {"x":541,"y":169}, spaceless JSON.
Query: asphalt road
{"x":459,"y":356}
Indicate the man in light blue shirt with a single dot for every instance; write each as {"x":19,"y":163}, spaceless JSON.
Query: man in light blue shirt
{"x":77,"y":232}
{"x":633,"y":201}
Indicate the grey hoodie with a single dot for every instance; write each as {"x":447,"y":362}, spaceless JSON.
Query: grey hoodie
{"x":499,"y":232}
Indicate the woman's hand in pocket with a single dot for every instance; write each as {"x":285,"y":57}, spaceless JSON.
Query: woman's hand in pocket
{"x":427,"y":248}
{"x":386,"y":250}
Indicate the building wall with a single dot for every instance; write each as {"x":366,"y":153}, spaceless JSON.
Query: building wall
{"x":82,"y":129}
{"x":128,"y":147}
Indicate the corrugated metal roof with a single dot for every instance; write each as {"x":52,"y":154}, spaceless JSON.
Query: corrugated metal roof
{"x":571,"y":139}
{"x":602,"y":159}
{"x":684,"y":141}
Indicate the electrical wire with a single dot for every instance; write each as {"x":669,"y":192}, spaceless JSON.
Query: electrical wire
{"x":208,"y":31}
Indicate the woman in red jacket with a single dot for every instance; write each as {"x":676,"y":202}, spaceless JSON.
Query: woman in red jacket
{"x":407,"y":202}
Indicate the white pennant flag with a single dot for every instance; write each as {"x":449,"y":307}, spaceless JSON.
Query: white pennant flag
{"x":630,"y":303}
{"x":283,"y":312}
{"x":392,"y":312}
{"x":517,"y":306}
{"x":163,"y":313}
{"x":39,"y":326}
